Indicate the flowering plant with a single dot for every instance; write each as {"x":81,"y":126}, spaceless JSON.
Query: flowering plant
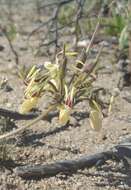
{"x":53,"y":79}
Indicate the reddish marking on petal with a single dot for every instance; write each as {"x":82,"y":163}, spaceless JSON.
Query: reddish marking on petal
{"x":69,"y":102}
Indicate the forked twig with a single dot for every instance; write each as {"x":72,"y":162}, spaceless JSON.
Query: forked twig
{"x":93,"y":36}
{"x":53,"y":25}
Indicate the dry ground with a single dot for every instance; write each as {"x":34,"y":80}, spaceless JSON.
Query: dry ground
{"x":46,"y":142}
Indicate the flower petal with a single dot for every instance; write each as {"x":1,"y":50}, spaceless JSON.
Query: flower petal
{"x":95,"y":120}
{"x":28,"y":104}
{"x":64,"y":114}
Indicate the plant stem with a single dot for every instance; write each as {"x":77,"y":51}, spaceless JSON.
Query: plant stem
{"x":44,"y":114}
{"x":93,"y":36}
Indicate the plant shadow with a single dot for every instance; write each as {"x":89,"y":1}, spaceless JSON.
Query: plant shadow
{"x":29,"y":138}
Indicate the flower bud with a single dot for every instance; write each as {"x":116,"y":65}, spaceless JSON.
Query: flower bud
{"x":64,"y":114}
{"x":28,"y":104}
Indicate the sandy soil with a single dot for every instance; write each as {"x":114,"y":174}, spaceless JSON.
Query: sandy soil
{"x":48,"y":142}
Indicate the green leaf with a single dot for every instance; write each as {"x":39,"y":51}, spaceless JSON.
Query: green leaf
{"x":95,"y":106}
{"x":123,"y":40}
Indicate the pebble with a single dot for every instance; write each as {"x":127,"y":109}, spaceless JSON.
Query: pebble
{"x":104,"y":43}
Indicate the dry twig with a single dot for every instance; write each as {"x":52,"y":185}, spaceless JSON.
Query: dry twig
{"x":11,"y":45}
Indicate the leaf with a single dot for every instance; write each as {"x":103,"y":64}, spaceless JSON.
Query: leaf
{"x":71,"y":53}
{"x":31,"y":72}
{"x":53,"y":69}
{"x":116,"y":24}
{"x":94,"y":105}
{"x":66,"y":91}
{"x":95,"y":119}
{"x":72,"y":93}
{"x":53,"y":85}
{"x":123,"y":40}
{"x":110,"y":105}
{"x":22,"y":72}
{"x":29,"y":87}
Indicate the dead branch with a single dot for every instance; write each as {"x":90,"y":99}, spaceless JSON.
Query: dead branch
{"x":14,"y":52}
{"x":53,"y":25}
{"x":77,"y":19}
{"x":53,"y":17}
{"x":63,"y":166}
{"x":120,"y":152}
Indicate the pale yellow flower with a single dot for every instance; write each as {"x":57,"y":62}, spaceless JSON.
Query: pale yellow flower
{"x":64,"y":114}
{"x":95,"y":119}
{"x":28,"y":104}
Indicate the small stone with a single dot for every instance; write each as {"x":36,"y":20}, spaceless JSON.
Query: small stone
{"x":104,"y":43}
